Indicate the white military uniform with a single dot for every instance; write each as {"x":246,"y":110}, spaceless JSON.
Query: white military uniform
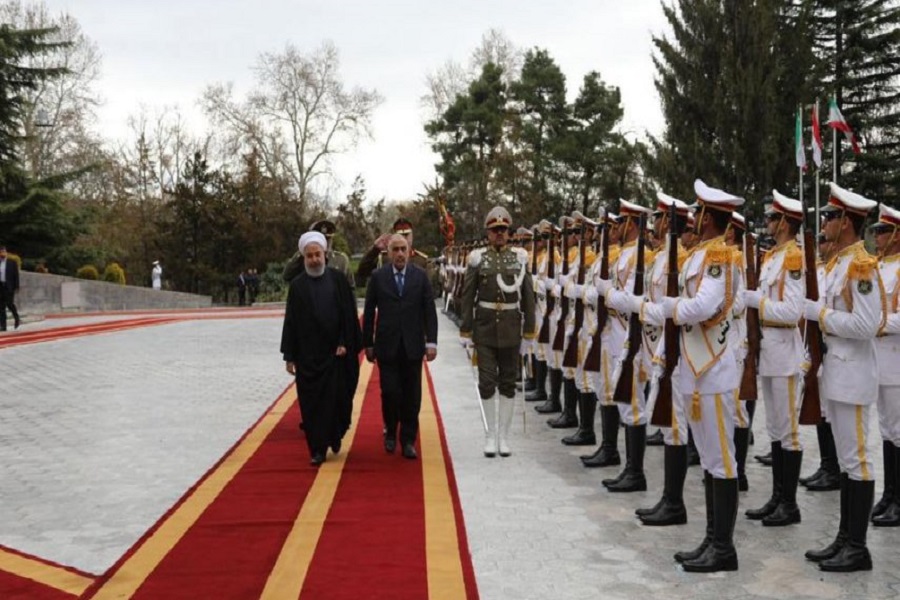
{"x":737,"y":338}
{"x":782,"y":291}
{"x":850,"y":314}
{"x":612,"y":338}
{"x":887,"y":348}
{"x":572,"y":292}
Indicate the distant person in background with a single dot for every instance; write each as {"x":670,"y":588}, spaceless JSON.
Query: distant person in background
{"x":9,"y":283}
{"x":320,"y":341}
{"x":242,"y":289}
{"x":377,"y":255}
{"x":252,"y":285}
{"x":333,"y":258}
{"x":156,"y":275}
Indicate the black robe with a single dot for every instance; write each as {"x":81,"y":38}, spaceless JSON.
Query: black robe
{"x":320,"y":316}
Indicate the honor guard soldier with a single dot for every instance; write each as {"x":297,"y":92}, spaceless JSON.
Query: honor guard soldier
{"x":737,"y":337}
{"x":498,"y":320}
{"x":670,"y":510}
{"x":542,"y":351}
{"x":779,"y":299}
{"x":850,"y":314}
{"x":333,"y":258}
{"x":617,"y":293}
{"x":887,"y":347}
{"x":612,"y":339}
{"x":377,"y":254}
{"x":707,"y":371}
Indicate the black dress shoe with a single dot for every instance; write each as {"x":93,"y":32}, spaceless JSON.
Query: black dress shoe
{"x":656,"y":439}
{"x":826,"y":483}
{"x":301,"y":425}
{"x":390,"y":445}
{"x":409,"y":451}
{"x":317,"y":459}
{"x":765,"y":459}
{"x":336,"y":446}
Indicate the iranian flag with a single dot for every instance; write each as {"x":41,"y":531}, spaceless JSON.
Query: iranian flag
{"x":837,"y":121}
{"x":798,"y":143}
{"x":816,"y":136}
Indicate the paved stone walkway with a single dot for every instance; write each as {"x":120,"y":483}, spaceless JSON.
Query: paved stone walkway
{"x":100,"y":435}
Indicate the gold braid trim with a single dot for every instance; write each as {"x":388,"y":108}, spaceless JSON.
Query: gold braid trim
{"x":695,"y":406}
{"x":862,"y":266}
{"x":682,"y":257}
{"x":793,"y":259}
{"x":721,"y":255}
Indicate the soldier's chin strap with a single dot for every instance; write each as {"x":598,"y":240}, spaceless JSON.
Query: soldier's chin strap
{"x":699,"y":218}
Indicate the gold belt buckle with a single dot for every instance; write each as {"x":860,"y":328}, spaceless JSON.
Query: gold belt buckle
{"x":497,"y":306}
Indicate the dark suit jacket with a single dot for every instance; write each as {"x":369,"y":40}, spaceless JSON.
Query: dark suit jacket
{"x":411,"y":318}
{"x":12,"y":275}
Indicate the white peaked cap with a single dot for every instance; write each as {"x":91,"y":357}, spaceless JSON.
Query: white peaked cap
{"x":850,"y":201}
{"x":716,"y":198}
{"x":786,"y":206}
{"x":630,"y":209}
{"x":665,"y":202}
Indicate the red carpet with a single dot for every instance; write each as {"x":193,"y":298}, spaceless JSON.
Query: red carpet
{"x":263,"y":523}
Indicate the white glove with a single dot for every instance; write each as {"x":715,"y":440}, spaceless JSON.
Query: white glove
{"x":556,"y":291}
{"x":603,"y":286}
{"x":668,"y":304}
{"x":812,"y":309}
{"x":466,"y":342}
{"x":577,"y":291}
{"x":591,"y":295}
{"x":526,"y":347}
{"x":542,"y":286}
{"x":752,"y":298}
{"x":564,"y":279}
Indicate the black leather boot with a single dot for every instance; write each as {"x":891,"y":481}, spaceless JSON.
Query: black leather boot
{"x":585,"y":436}
{"x":693,"y":455}
{"x":699,"y":550}
{"x":672,"y":510}
{"x":887,"y":496}
{"x":720,"y":555}
{"x":568,"y":418}
{"x":633,"y":479}
{"x":854,"y":555}
{"x":741,"y":442}
{"x":832,"y":549}
{"x":821,"y":432}
{"x":628,"y":455}
{"x":530,"y":383}
{"x":656,"y":438}
{"x":539,"y":393}
{"x":552,"y":404}
{"x":831,"y":475}
{"x":891,"y":515}
{"x":607,"y":455}
{"x":777,"y":477}
{"x":787,"y":512}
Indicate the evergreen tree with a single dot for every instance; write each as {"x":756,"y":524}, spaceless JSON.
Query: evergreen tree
{"x":859,"y":43}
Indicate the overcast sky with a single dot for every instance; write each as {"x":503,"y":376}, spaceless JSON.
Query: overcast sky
{"x":164,"y":52}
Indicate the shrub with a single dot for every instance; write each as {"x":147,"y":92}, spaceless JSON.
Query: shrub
{"x":87,"y":272}
{"x":114,"y":273}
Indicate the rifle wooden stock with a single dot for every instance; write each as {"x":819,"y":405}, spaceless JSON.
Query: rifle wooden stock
{"x":625,"y":384}
{"x":662,"y":410}
{"x":748,"y":391}
{"x":592,"y":358}
{"x":810,"y":409}
{"x":559,"y":339}
{"x":570,"y":358}
{"x":544,"y":333}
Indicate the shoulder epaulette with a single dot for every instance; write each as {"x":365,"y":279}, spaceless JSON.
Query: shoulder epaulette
{"x":737,"y":257}
{"x":718,"y":254}
{"x":614,"y":252}
{"x":862,"y":266}
{"x":475,"y":257}
{"x":682,"y":256}
{"x":649,"y":255}
{"x":793,"y":259}
{"x":522,"y":255}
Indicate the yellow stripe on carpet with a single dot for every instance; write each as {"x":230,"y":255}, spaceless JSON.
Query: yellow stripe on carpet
{"x":289,"y":573}
{"x":43,"y":573}
{"x":445,"y":574}
{"x":129,"y":577}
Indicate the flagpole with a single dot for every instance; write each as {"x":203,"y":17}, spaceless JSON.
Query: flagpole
{"x":800,"y":145}
{"x":818,"y":169}
{"x":834,"y":150}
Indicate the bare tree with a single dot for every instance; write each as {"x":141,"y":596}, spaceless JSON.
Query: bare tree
{"x":60,"y":112}
{"x":297,"y":117}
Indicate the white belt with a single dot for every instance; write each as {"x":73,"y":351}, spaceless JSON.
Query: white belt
{"x":499,"y":305}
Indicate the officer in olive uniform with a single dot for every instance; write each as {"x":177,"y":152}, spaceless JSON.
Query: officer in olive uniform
{"x":377,"y":254}
{"x":498,"y":320}
{"x":333,"y":258}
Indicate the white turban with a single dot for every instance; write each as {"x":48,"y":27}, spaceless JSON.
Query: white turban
{"x":312,"y":237}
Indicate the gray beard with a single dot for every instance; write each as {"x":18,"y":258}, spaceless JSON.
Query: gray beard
{"x":315,"y":273}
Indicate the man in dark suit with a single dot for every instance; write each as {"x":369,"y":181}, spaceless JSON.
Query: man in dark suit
{"x":9,"y":283}
{"x":404,"y":332}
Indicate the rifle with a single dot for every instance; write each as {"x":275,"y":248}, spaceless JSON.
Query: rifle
{"x":662,"y":410}
{"x":748,"y":391}
{"x":570,"y":358}
{"x":810,"y":409}
{"x":592,"y":359}
{"x":544,"y":334}
{"x":560,"y":338}
{"x":625,"y":385}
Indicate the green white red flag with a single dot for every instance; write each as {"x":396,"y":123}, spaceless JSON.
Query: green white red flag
{"x":837,"y":121}
{"x":798,"y":143}
{"x":816,"y":136}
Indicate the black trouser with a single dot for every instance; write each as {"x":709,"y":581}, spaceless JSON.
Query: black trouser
{"x":7,"y":300}
{"x":401,"y":397}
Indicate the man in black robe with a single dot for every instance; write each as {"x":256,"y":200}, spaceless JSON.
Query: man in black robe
{"x":320,"y":342}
